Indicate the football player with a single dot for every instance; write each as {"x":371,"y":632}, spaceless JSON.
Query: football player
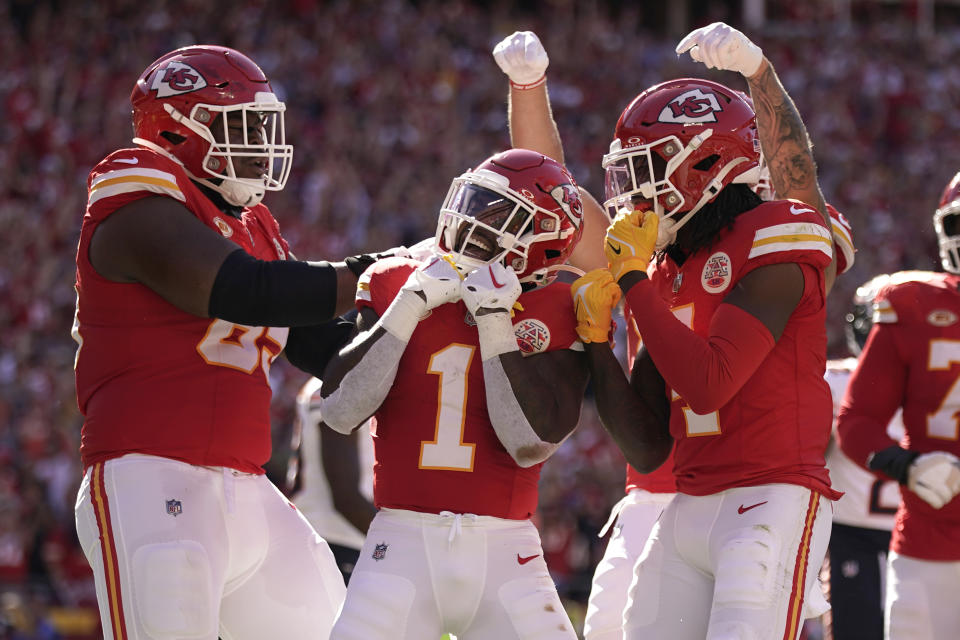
{"x":911,"y":361}
{"x":863,"y":517}
{"x":472,"y":366}
{"x":334,"y":474}
{"x":522,"y":57}
{"x":732,"y":317}
{"x":186,"y":293}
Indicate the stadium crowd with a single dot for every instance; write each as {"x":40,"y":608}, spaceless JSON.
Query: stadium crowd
{"x":387,"y":101}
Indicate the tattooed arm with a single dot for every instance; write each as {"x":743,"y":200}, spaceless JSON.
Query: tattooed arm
{"x":786,"y":146}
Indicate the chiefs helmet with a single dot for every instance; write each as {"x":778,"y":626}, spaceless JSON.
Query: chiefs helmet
{"x":859,"y":319}
{"x":212,"y":109}
{"x":676,"y":146}
{"x":518,"y":207}
{"x":946,"y":222}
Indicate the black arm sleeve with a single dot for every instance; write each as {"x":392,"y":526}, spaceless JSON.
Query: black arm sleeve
{"x":310,"y":348}
{"x":273,"y":293}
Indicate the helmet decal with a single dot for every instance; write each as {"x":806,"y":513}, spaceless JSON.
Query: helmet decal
{"x":694,"y":106}
{"x":568,"y":198}
{"x":177,"y":78}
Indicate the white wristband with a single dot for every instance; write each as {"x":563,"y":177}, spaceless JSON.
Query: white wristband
{"x":404,"y":313}
{"x":496,"y":335}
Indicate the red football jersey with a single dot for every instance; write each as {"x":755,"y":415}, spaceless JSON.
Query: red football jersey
{"x":911,"y":360}
{"x":776,"y":428}
{"x":661,"y":480}
{"x":434,"y":447}
{"x":154,"y":379}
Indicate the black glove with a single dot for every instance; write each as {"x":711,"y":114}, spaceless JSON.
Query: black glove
{"x":359,"y":263}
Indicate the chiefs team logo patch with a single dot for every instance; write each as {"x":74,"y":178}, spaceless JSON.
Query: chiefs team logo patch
{"x":941,"y":318}
{"x":176,"y":78}
{"x":717,"y":273}
{"x":380,"y":551}
{"x":222,"y":225}
{"x":533,"y":336}
{"x":695,"y":105}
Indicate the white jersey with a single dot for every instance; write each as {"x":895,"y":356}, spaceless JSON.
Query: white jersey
{"x":314,"y":499}
{"x":868,"y":502}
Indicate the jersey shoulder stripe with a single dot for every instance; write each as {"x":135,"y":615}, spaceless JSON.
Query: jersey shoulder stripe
{"x":121,"y":181}
{"x":791,"y":236}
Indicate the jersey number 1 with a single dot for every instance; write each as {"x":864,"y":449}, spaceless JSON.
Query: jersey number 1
{"x":447,"y":450}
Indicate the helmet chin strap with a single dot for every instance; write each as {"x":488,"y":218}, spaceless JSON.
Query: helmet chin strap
{"x":667,"y":231}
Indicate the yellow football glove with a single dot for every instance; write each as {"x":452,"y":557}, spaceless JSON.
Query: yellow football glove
{"x":630,"y":242}
{"x":594,"y":297}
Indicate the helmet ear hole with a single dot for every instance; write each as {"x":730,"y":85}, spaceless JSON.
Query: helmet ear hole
{"x":172,"y":137}
{"x":706,"y":163}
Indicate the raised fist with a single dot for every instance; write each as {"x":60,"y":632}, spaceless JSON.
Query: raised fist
{"x":720,"y":46}
{"x":935,"y":477}
{"x":492,"y":287}
{"x":436,"y":281}
{"x":523,"y":59}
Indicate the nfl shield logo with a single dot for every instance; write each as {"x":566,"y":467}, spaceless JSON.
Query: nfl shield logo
{"x":174,"y":508}
{"x":380,"y":551}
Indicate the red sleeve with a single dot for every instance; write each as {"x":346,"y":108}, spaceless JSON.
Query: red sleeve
{"x":872,"y":398}
{"x":379,"y":284}
{"x":705,"y":372}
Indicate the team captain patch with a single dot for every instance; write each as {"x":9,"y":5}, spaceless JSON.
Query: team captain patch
{"x":717,"y":272}
{"x":533,"y":336}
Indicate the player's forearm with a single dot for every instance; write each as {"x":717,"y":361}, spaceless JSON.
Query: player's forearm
{"x":641,"y":435}
{"x":706,"y":372}
{"x":531,"y":122}
{"x":785,"y":142}
{"x":860,"y":436}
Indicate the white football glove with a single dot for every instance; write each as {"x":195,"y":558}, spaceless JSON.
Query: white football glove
{"x":493,"y":287}
{"x":437,"y":282}
{"x":720,"y":46}
{"x":522,"y":58}
{"x":935,"y":477}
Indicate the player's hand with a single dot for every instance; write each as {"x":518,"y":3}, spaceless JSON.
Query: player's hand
{"x":630,"y":242}
{"x":359,"y":263}
{"x":491,"y":288}
{"x":522,"y":57}
{"x":437,"y":281}
{"x":720,"y":46}
{"x":594,"y":297}
{"x":935,"y":477}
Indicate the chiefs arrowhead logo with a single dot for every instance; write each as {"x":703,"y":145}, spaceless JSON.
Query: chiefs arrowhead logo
{"x":691,"y":106}
{"x":176,"y":78}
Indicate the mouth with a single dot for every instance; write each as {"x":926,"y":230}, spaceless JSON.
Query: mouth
{"x":478,"y":245}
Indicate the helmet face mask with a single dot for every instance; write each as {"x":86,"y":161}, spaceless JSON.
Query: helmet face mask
{"x":946,"y":224}
{"x":859,"y":319}
{"x":212,"y":109}
{"x":519,"y":208}
{"x":676,"y":146}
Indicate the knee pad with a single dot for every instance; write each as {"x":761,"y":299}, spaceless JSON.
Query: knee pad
{"x":377,"y":607}
{"x":173,"y":591}
{"x":534,"y":609}
{"x":747,"y":569}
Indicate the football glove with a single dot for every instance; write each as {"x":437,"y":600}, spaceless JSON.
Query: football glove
{"x":523,"y":59}
{"x":630,"y":242}
{"x":594,"y":297}
{"x":492,"y":287}
{"x":935,"y":477}
{"x":720,"y":46}
{"x":437,"y":281}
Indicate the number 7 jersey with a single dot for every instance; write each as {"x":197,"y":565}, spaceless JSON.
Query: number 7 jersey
{"x":434,"y":447}
{"x":156,"y":380}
